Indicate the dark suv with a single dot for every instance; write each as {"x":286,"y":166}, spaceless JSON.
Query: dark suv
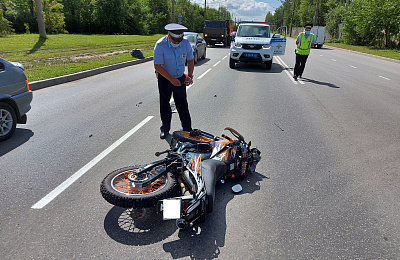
{"x":15,"y":97}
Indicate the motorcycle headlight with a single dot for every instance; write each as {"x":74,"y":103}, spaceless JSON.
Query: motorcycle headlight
{"x":238,"y":45}
{"x":266,"y":46}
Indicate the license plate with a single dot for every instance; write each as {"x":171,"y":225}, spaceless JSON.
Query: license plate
{"x":171,"y":209}
{"x":251,"y":55}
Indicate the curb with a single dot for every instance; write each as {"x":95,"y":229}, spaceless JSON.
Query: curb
{"x":35,"y":85}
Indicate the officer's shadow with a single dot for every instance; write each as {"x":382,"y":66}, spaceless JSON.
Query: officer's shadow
{"x":205,"y":240}
{"x":331,"y":85}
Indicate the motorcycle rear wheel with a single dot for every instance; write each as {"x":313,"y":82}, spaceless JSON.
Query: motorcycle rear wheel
{"x":185,"y":136}
{"x":119,"y":190}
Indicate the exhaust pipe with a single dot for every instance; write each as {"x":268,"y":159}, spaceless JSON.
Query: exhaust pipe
{"x":181,"y":223}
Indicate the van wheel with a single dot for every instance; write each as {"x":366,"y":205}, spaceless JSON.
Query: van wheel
{"x":268,"y":64}
{"x":196,"y":57}
{"x":231,"y":63}
{"x":8,"y":121}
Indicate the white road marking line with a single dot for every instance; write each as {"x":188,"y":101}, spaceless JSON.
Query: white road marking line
{"x":286,"y":68}
{"x":202,"y":75}
{"x":384,"y":77}
{"x":216,"y":63}
{"x":225,"y":57}
{"x":280,"y":61}
{"x":354,"y":67}
{"x":333,"y":59}
{"x":57,"y":191}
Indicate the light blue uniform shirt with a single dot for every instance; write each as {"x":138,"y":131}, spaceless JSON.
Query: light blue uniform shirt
{"x":173,"y":59}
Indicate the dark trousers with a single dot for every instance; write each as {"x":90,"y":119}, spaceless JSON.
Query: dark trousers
{"x":300,"y":64}
{"x":166,"y":90}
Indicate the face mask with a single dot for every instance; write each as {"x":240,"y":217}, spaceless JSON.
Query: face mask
{"x":173,"y":45}
{"x":307,"y":32}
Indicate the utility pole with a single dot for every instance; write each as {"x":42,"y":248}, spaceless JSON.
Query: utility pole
{"x":40,"y":19}
{"x":291,"y":22}
{"x":205,"y":9}
{"x":173,"y":12}
{"x":316,"y":13}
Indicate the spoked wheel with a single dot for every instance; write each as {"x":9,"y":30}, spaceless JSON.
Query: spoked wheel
{"x":126,"y":188}
{"x":8,"y":121}
{"x":196,"y":137}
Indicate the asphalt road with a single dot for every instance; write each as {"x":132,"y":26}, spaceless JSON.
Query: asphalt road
{"x":327,"y":186}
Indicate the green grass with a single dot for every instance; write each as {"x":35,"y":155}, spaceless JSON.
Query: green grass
{"x":64,"y":54}
{"x":387,"y":53}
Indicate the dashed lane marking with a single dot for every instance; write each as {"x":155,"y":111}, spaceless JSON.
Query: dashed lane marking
{"x":202,"y":75}
{"x":383,"y":77}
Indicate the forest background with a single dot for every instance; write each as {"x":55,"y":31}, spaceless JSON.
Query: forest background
{"x":85,"y":34}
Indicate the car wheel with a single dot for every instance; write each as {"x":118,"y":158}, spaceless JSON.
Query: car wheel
{"x":8,"y":121}
{"x":196,"y":57}
{"x":231,"y":63}
{"x":205,"y":51}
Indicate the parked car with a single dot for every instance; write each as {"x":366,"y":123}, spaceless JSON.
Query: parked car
{"x":15,"y":97}
{"x":198,"y":43}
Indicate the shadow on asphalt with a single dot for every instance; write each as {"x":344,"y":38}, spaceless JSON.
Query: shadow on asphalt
{"x":319,"y":82}
{"x":205,"y":240}
{"x":139,"y":227}
{"x":257,"y":67}
{"x":19,"y":137}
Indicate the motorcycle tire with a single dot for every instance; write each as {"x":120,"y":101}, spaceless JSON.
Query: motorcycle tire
{"x":118,"y":190}
{"x":184,"y":136}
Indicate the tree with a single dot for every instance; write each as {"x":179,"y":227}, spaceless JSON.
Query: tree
{"x":159,"y":15}
{"x":53,"y":17}
{"x":5,"y":27}
{"x":40,"y":19}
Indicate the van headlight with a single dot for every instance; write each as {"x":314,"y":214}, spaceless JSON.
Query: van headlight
{"x":266,"y":46}
{"x":237,"y":44}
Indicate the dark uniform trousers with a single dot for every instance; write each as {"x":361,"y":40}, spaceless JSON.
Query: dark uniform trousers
{"x":300,"y":64}
{"x":166,"y":90}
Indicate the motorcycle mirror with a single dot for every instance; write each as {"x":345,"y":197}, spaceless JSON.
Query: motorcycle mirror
{"x":237,"y":188}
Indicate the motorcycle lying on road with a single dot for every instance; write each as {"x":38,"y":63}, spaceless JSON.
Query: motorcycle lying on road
{"x":182,"y":185}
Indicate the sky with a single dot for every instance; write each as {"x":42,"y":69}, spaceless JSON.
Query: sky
{"x":253,"y":10}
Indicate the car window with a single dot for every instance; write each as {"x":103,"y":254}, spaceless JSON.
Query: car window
{"x":253,"y":31}
{"x":191,"y":38}
{"x":1,"y":66}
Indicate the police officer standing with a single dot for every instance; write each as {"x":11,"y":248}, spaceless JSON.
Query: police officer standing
{"x":170,"y":55}
{"x":305,"y":40}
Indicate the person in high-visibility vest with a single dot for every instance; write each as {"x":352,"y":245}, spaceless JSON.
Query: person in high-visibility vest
{"x":305,"y":40}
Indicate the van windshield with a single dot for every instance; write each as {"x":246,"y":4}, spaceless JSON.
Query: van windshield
{"x":253,"y":31}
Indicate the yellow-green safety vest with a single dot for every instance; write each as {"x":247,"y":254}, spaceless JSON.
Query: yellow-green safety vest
{"x":304,"y":46}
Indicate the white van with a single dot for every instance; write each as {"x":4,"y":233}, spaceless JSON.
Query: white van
{"x":319,"y":36}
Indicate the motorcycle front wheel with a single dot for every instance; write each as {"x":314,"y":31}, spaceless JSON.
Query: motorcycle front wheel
{"x":118,"y":189}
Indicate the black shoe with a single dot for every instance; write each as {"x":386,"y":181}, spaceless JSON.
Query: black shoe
{"x":295,"y":77}
{"x":300,"y":76}
{"x":163,"y":134}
